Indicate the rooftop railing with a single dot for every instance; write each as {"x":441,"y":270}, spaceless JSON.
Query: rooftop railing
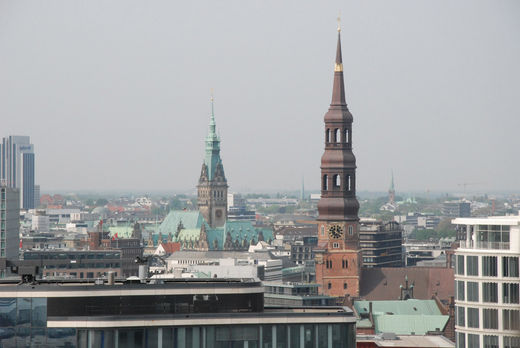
{"x":484,"y":245}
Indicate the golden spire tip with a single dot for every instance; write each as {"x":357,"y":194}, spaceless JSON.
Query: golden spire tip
{"x":339,"y":22}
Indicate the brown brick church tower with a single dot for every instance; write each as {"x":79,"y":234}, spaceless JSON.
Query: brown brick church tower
{"x":338,"y":256}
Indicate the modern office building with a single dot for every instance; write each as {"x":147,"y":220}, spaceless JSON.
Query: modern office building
{"x":456,"y":209}
{"x":295,"y":294}
{"x":80,"y":264}
{"x":17,"y":167}
{"x":177,"y":313}
{"x":9,"y":226}
{"x":487,"y":282}
{"x":36,"y":196}
{"x":381,"y":243}
{"x":40,"y":222}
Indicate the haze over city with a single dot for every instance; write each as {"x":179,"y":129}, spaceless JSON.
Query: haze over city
{"x":116,"y":95}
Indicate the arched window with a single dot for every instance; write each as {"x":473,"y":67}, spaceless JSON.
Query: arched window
{"x":344,"y":263}
{"x":327,"y":136}
{"x":349,"y":183}
{"x":344,"y":285}
{"x":329,"y":286}
{"x":322,"y":230}
{"x":337,"y":135}
{"x":345,"y":136}
{"x":336,"y":179}
{"x":350,"y":230}
{"x":325,"y":182}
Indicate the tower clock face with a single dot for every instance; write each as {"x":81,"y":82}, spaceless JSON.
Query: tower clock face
{"x":335,"y":231}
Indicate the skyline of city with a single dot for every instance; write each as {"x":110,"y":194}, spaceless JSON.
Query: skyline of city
{"x":149,"y":133}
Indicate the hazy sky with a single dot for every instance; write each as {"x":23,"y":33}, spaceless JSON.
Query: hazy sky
{"x":115,"y":94}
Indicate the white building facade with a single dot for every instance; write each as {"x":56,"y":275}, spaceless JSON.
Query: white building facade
{"x":487,"y":306}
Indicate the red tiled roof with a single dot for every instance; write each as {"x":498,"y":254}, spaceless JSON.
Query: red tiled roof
{"x":383,"y":283}
{"x":171,"y":247}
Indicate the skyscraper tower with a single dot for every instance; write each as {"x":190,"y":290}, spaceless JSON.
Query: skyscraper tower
{"x":17,"y":167}
{"x":212,"y":187}
{"x":391,"y":191}
{"x":338,"y":258}
{"x":9,"y":225}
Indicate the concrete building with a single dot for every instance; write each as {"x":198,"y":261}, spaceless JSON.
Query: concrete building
{"x":456,"y":209}
{"x":17,"y":167}
{"x":189,"y":313}
{"x":381,"y":243}
{"x":228,"y":264}
{"x":40,"y":222}
{"x":36,"y":196}
{"x":487,"y":282}
{"x":295,"y":294}
{"x":9,"y":226}
{"x":237,"y":208}
{"x":84,"y":264}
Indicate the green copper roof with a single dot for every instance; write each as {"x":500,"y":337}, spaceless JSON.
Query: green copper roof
{"x":412,"y":307}
{"x":122,"y":231}
{"x":188,"y":234}
{"x":189,"y":219}
{"x":408,"y":324}
{"x":403,"y":317}
{"x":239,"y":230}
{"x":192,"y":223}
{"x":212,"y":158}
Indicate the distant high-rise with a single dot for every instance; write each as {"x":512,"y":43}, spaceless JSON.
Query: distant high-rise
{"x":9,"y":225}
{"x":17,"y":167}
{"x":36,"y":196}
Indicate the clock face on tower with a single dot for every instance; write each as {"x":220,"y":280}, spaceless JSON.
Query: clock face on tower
{"x":335,"y":231}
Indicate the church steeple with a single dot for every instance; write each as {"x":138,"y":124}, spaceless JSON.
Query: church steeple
{"x":338,"y":257}
{"x":338,"y":88}
{"x":212,"y":187}
{"x":212,"y":158}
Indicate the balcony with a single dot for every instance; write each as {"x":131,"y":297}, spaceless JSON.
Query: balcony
{"x":484,"y":245}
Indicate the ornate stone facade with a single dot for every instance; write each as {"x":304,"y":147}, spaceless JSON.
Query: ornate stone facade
{"x":212,"y":187}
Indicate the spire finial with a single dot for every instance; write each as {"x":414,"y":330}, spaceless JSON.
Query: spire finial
{"x":339,"y":22}
{"x":338,"y":66}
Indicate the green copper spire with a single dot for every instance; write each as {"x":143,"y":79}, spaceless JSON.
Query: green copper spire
{"x":392,"y":182}
{"x":212,"y":158}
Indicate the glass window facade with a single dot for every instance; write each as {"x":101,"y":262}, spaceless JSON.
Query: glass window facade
{"x":472,"y":266}
{"x":23,"y":323}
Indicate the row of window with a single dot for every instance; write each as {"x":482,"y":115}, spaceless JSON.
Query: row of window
{"x":328,"y":264}
{"x":470,"y":317}
{"x":329,"y":286}
{"x":490,"y":292}
{"x":510,"y":266}
{"x":489,"y":341}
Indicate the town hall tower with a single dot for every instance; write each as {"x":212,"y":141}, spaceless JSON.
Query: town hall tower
{"x":212,"y":187}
